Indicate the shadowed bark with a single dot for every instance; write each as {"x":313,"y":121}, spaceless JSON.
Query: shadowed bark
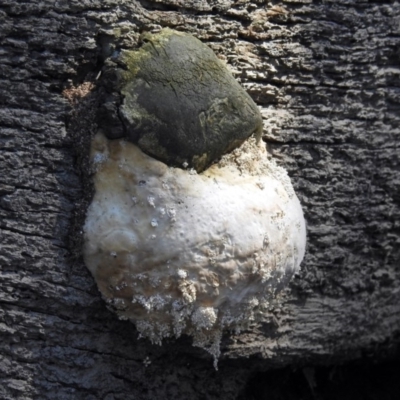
{"x":326,"y":75}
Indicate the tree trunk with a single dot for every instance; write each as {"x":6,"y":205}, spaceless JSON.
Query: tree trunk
{"x":326,"y":75}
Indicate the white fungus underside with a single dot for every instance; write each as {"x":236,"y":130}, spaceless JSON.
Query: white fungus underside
{"x":179,"y":252}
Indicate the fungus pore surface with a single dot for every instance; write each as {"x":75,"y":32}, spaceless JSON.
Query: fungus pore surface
{"x":177,"y":252}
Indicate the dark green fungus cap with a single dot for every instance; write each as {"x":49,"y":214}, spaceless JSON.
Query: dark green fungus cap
{"x":179,"y":103}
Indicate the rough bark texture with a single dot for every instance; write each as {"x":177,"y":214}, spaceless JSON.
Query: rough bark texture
{"x":326,"y":74}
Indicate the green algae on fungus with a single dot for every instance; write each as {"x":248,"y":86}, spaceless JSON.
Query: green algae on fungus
{"x":180,"y":104}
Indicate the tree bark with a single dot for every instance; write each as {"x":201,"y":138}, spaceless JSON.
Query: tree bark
{"x":326,"y":75}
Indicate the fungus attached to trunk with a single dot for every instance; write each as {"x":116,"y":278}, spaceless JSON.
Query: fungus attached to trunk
{"x":176,"y":251}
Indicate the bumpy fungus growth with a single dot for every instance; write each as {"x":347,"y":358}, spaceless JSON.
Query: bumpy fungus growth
{"x":176,"y":251}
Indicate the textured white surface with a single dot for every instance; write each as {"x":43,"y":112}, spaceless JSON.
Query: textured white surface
{"x":177,"y":252}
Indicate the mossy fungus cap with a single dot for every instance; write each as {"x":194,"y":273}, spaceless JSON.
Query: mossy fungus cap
{"x":180,"y":104}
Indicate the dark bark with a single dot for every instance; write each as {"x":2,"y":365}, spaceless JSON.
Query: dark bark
{"x":327,"y":76}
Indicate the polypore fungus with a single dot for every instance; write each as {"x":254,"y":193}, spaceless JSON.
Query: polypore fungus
{"x":176,"y":251}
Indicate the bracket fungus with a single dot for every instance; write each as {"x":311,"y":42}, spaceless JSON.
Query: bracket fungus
{"x":193,"y":229}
